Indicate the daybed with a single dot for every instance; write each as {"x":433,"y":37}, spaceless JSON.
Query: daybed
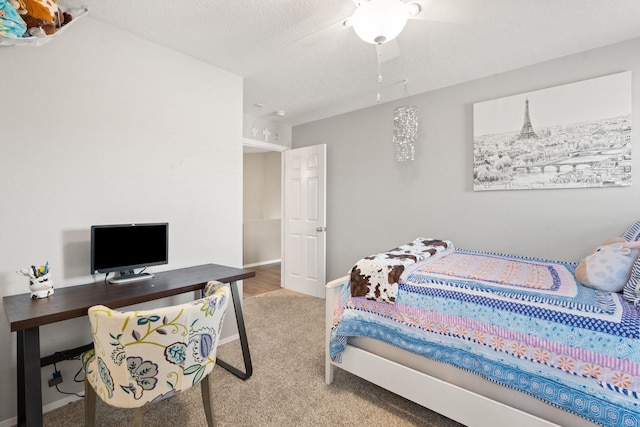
{"x":489,"y":339}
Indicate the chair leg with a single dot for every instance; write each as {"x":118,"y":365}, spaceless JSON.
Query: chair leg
{"x":137,"y":417}
{"x":89,"y":405}
{"x":205,"y":387}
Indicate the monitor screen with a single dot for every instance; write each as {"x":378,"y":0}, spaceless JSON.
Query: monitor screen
{"x":123,"y":247}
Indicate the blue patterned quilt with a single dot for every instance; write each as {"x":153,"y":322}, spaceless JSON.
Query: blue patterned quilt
{"x":524,"y":323}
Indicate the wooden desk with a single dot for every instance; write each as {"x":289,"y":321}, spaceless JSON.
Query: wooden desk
{"x":25,"y":316}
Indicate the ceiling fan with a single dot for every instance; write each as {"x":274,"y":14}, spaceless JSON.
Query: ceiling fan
{"x":379,"y":22}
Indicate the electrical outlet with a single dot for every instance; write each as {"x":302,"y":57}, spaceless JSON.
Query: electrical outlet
{"x":56,"y":379}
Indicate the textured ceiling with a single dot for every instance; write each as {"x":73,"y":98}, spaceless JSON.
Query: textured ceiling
{"x":288,"y":65}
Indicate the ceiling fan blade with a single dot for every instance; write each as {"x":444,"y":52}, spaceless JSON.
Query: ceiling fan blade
{"x":323,"y":33}
{"x":387,"y":51}
{"x":451,"y":11}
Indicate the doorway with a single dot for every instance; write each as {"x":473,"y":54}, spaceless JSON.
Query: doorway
{"x":262,"y":213}
{"x":287,"y":185}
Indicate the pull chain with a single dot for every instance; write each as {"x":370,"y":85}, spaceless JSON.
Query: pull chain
{"x":378,"y":56}
{"x":379,"y":80}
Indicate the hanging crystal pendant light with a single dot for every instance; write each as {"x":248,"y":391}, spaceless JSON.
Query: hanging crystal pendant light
{"x":405,"y":130}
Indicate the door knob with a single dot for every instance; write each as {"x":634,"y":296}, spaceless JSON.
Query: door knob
{"x":320,"y":229}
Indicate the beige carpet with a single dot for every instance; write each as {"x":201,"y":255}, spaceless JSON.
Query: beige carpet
{"x":286,"y":339}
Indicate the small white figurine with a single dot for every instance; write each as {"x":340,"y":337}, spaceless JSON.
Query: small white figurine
{"x":41,"y":287}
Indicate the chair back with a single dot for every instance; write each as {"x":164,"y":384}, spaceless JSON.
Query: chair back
{"x":145,"y":356}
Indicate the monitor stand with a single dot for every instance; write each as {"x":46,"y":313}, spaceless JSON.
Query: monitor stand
{"x":128,"y":277}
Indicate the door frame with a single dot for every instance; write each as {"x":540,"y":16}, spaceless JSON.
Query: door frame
{"x":262,"y":146}
{"x":256,"y":146}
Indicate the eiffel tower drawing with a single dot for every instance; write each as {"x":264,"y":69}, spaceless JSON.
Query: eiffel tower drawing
{"x":527,"y":131}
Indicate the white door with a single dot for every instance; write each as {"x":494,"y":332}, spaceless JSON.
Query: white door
{"x":304,"y":241}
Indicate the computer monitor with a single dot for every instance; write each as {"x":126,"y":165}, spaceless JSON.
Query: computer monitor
{"x":125,"y":247}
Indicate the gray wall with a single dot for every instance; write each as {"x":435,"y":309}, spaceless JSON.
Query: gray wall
{"x":101,"y":127}
{"x":375,"y":203}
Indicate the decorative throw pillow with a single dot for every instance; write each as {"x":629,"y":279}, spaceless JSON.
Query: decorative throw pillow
{"x":43,"y":17}
{"x":608,"y":267}
{"x":47,"y":10}
{"x":11,"y":24}
{"x":631,"y":290}
{"x":633,"y":233}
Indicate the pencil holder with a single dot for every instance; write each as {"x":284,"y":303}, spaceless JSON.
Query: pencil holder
{"x":41,"y":287}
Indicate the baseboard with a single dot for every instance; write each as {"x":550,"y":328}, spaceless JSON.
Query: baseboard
{"x":47,"y":408}
{"x":257,"y":264}
{"x":59,"y":403}
{"x":225,"y":340}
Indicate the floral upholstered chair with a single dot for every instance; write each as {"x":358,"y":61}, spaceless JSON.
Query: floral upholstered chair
{"x":140,"y":357}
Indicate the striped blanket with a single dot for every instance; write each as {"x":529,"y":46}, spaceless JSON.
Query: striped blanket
{"x":522,"y":322}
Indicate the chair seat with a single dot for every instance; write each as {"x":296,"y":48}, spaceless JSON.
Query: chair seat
{"x":142,"y":357}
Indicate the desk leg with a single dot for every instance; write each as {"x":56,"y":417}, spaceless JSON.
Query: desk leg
{"x":29,"y":378}
{"x":237,"y":305}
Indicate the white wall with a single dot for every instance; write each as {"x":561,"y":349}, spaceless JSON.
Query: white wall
{"x":100,"y":127}
{"x":375,"y":203}
{"x":262,"y":208}
{"x":262,"y":186}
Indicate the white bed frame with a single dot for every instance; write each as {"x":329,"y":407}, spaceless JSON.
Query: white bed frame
{"x":436,"y":394}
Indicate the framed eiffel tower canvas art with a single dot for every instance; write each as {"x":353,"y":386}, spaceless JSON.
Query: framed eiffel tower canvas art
{"x":576,"y":135}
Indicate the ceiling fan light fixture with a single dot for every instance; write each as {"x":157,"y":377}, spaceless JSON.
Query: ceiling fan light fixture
{"x":379,"y":21}
{"x":414,"y":9}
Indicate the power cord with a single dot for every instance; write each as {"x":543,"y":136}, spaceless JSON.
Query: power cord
{"x":56,"y":374}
